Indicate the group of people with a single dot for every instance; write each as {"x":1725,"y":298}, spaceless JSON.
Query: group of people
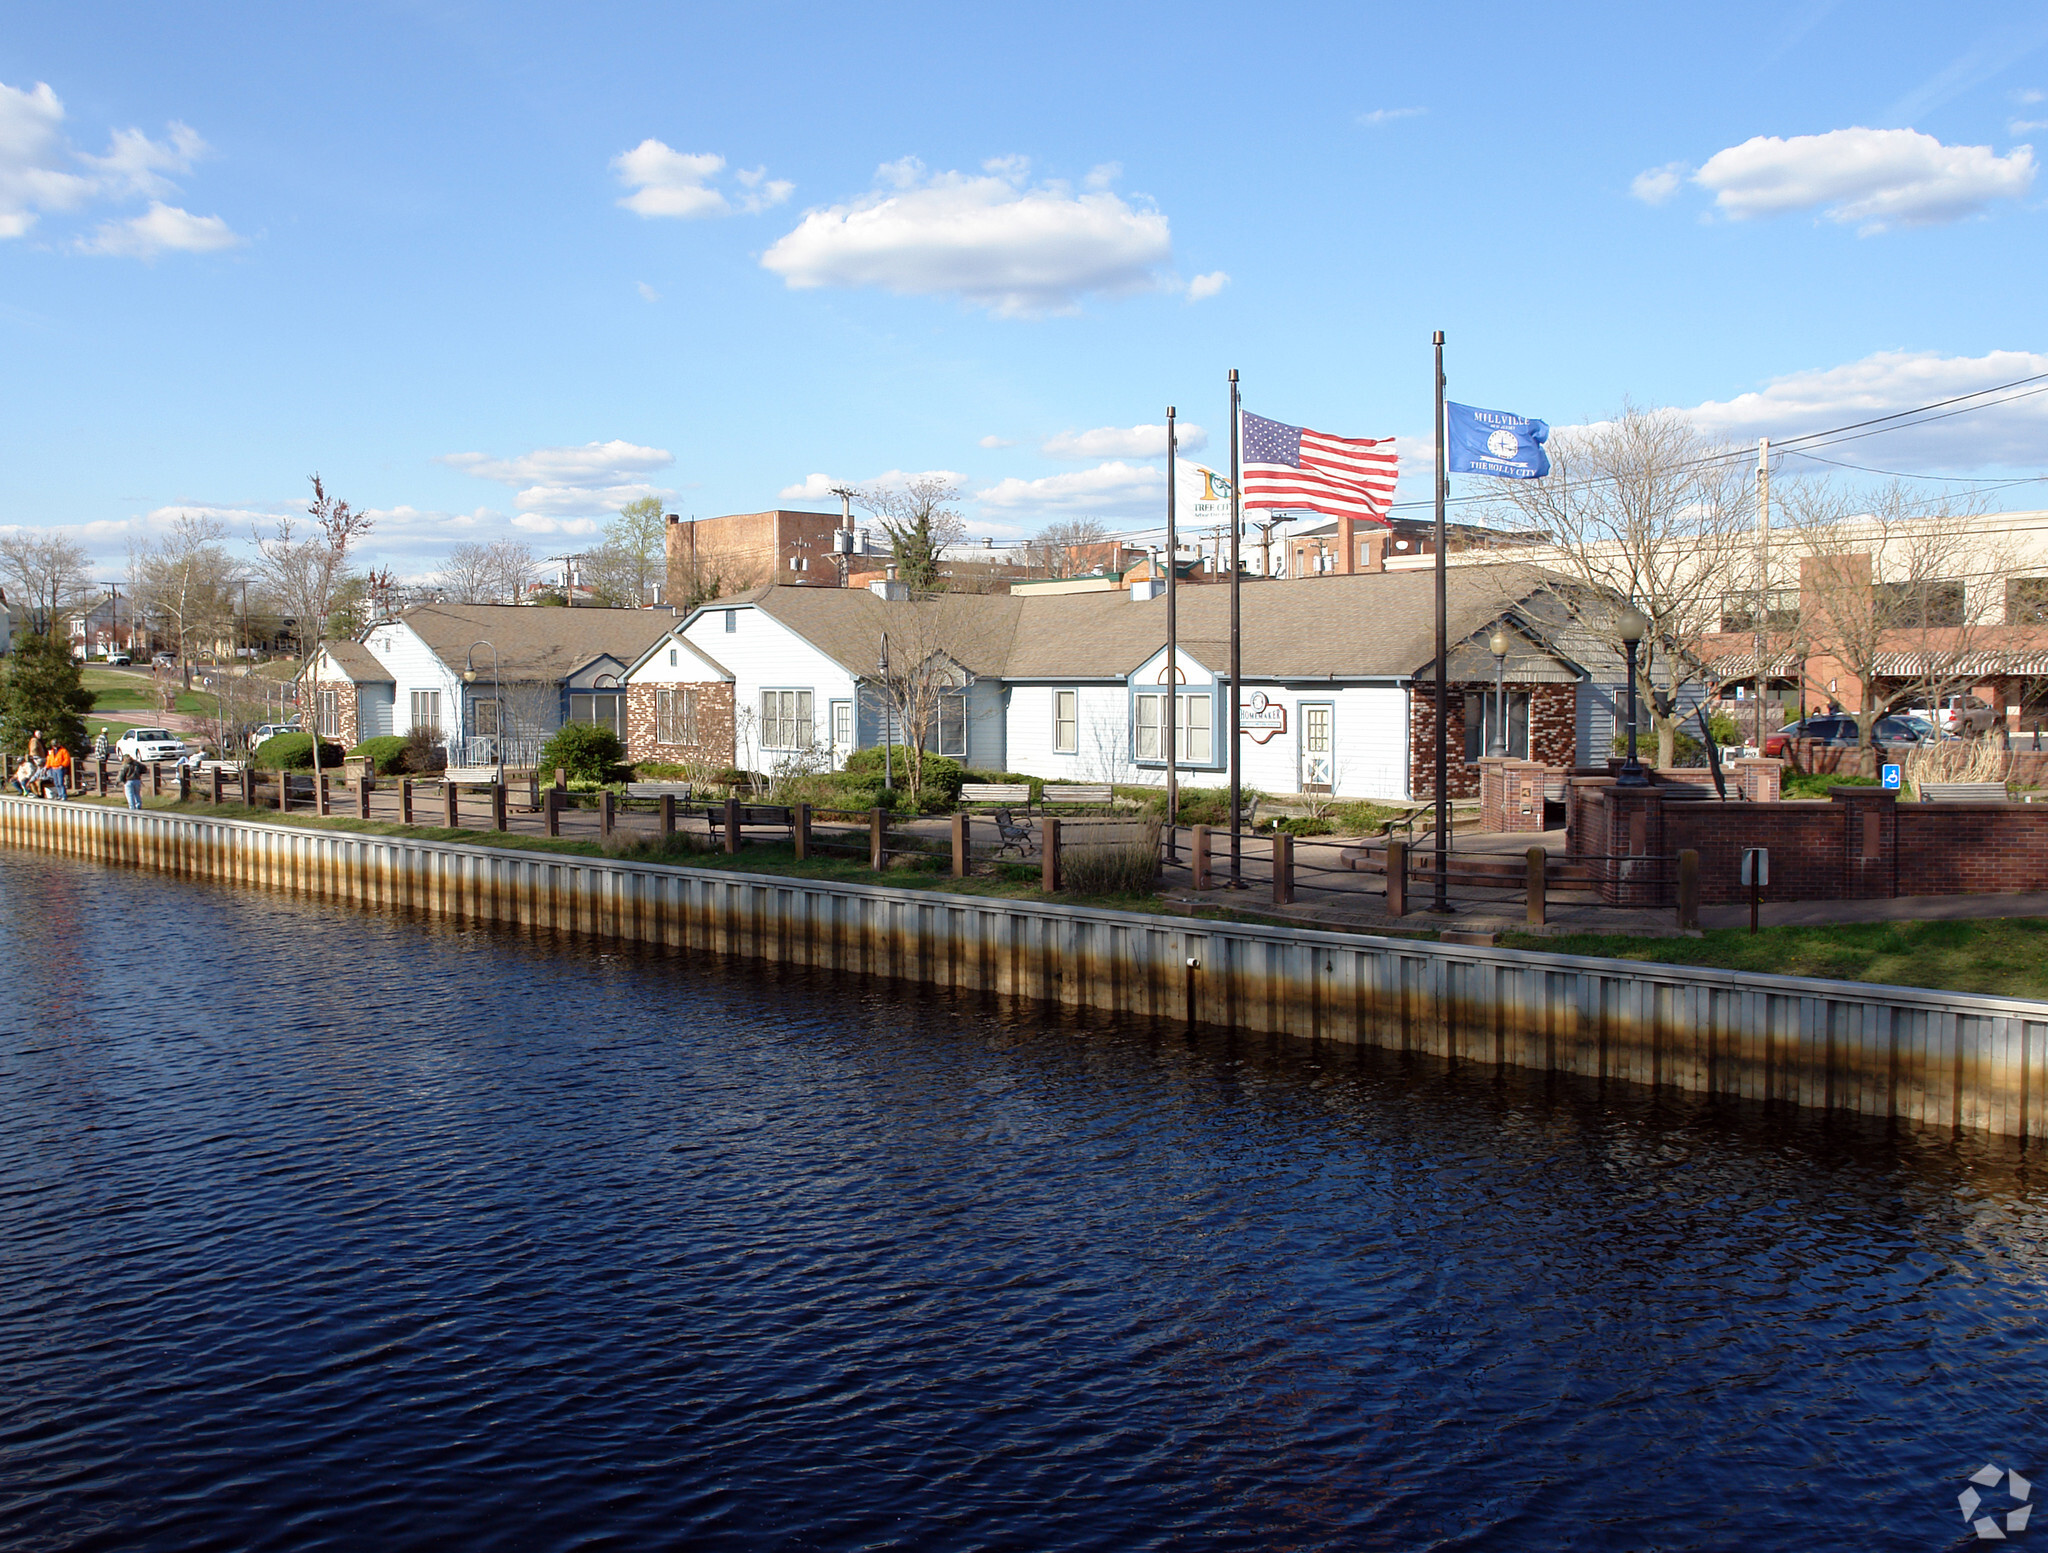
{"x":45,"y":771}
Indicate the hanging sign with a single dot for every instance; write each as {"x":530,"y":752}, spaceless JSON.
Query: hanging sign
{"x":1261,"y":718}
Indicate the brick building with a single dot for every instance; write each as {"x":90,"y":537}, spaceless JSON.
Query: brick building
{"x":710,"y":557}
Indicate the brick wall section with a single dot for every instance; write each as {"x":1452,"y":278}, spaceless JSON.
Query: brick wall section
{"x":345,"y":707}
{"x":1553,"y":736}
{"x":1859,"y":844}
{"x":714,"y":746}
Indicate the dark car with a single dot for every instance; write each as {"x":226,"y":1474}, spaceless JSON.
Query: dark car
{"x":1839,"y":732}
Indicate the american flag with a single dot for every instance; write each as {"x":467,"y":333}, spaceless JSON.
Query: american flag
{"x":1294,"y":468}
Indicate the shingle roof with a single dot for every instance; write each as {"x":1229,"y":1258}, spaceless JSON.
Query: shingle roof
{"x":1369,"y":625}
{"x":357,"y":662}
{"x":535,"y":642}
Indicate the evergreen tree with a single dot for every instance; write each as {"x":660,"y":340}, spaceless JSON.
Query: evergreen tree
{"x":44,"y":689}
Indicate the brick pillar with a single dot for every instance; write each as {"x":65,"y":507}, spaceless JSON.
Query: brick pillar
{"x":1635,"y":830}
{"x":1761,"y":781}
{"x":1493,"y":794}
{"x":1870,"y":842}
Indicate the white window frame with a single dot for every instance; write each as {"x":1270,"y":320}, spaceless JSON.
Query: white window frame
{"x":787,"y":718}
{"x":1066,"y":730}
{"x":330,"y":714}
{"x":584,"y":708}
{"x":841,"y":713}
{"x":1194,"y":716}
{"x":952,"y":739}
{"x":426,"y":709}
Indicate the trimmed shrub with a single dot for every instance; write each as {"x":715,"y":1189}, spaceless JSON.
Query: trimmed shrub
{"x":938,"y":783}
{"x":294,"y":752}
{"x":583,"y":750}
{"x":385,"y":754}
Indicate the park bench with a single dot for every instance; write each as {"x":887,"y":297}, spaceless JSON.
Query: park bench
{"x":1962,"y":792}
{"x":1078,"y":793}
{"x":996,"y":792}
{"x":681,"y":790}
{"x":1010,"y":834}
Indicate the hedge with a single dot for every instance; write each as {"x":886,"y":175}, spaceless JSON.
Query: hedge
{"x":294,"y":752}
{"x":386,"y":754}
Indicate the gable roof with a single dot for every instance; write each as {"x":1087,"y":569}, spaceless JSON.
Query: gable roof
{"x":1370,"y":625}
{"x":357,"y":662}
{"x":673,"y":637}
{"x":535,"y":642}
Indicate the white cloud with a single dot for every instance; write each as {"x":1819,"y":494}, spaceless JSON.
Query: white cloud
{"x":822,"y":487}
{"x":1379,"y":116}
{"x":570,"y":482}
{"x":1658,"y":184}
{"x":667,"y":182}
{"x":2029,"y":96}
{"x":1123,"y":442}
{"x":161,"y":229}
{"x":648,"y":293}
{"x":998,"y":442}
{"x":2027,"y":126}
{"x":1115,"y":489}
{"x":992,"y":240}
{"x":41,"y":172}
{"x":1205,"y":286}
{"x":1997,"y":436}
{"x":1873,"y":177}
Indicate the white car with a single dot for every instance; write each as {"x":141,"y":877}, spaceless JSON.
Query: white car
{"x":268,"y":731}
{"x":150,"y":745}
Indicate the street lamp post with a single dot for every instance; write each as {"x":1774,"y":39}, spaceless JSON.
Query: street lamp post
{"x":888,"y":721}
{"x":1498,"y":744}
{"x":497,"y":700}
{"x":1633,"y":625}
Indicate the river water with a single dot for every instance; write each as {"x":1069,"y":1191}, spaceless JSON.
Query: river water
{"x":322,"y":1228}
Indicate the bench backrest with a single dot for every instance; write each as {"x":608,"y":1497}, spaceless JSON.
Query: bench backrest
{"x":1962,"y":792}
{"x":995,"y":792}
{"x":1079,"y":793}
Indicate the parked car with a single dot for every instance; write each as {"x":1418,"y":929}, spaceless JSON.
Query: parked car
{"x":119,"y":659}
{"x":149,"y":745}
{"x":1959,"y":715}
{"x":165,"y":660}
{"x":1839,"y":732}
{"x":267,"y":731}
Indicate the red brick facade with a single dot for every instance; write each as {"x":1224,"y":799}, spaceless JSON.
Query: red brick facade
{"x":1553,"y":733}
{"x":348,"y":734}
{"x":713,"y":745}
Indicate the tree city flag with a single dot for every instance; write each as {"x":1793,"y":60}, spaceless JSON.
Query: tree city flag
{"x":1493,"y":442}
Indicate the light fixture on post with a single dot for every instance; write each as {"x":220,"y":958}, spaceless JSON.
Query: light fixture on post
{"x":1633,"y":625}
{"x":1498,"y":744}
{"x":497,"y":700}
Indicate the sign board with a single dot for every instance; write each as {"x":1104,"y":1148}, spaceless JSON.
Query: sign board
{"x":1891,"y":777}
{"x":1208,"y":499}
{"x":1260,"y":717}
{"x":1756,"y":865}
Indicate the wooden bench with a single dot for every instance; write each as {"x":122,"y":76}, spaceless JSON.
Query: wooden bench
{"x":1962,"y":792}
{"x":681,"y":790}
{"x":995,"y":792}
{"x":1095,"y":793}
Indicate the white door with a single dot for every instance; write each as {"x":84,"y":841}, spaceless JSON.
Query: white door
{"x":842,"y":732}
{"x":1317,"y":765}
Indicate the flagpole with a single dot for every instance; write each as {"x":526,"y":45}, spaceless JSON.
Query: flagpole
{"x":1443,"y":705}
{"x":1171,"y":730}
{"x":1236,"y":665}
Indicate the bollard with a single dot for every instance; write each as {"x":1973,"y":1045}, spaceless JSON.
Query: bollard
{"x":732,"y":827}
{"x":213,"y":778}
{"x":1539,"y":885}
{"x":878,"y":839}
{"x":103,"y":777}
{"x":363,"y":796}
{"x":1397,"y":878}
{"x":284,"y":791}
{"x":451,"y":804}
{"x":800,"y":830}
{"x":156,"y":779}
{"x":960,"y":846}
{"x":552,"y":807}
{"x":184,"y":784}
{"x":1050,"y":878}
{"x":405,"y":800}
{"x":249,"y":785}
{"x":562,"y":778}
{"x":668,"y":816}
{"x":1689,"y":889}
{"x":320,"y":792}
{"x":498,"y":807}
{"x":607,"y":812}
{"x":1198,"y":857}
{"x":1283,"y":868}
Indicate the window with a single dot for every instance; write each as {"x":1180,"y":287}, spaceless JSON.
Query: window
{"x":675,"y":714}
{"x":1483,"y":710}
{"x":483,"y":718}
{"x":1194,"y":724}
{"x":953,"y":722}
{"x":2026,"y":601}
{"x":330,"y":714}
{"x":601,"y":709}
{"x":1917,"y":606}
{"x":1781,"y":610}
{"x":1066,"y":722}
{"x":426,"y":709}
{"x":732,"y":620}
{"x":786,"y":720}
{"x":671,"y":657}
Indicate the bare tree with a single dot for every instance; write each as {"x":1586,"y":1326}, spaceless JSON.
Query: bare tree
{"x":920,"y":521}
{"x":512,"y":567}
{"x":1901,"y":601}
{"x":1645,"y":507}
{"x":53,"y":573}
{"x":633,"y":560}
{"x":933,"y":642}
{"x":305,"y":569}
{"x":1061,"y":549}
{"x":189,"y":578}
{"x":469,"y":575}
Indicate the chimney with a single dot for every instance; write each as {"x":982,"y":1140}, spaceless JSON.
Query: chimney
{"x":675,"y":517}
{"x":890,"y":588}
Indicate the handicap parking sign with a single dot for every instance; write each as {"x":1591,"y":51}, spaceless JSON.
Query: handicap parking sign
{"x":1891,"y":777}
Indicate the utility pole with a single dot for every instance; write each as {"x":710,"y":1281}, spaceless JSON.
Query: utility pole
{"x":1443,"y":706}
{"x":1763,"y":578}
{"x":842,"y":538}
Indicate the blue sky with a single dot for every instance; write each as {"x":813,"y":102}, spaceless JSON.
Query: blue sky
{"x":491,"y":269}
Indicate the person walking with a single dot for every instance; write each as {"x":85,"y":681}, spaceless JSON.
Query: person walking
{"x":131,"y":779}
{"x":36,"y":751}
{"x":58,"y":764}
{"x":99,"y":746}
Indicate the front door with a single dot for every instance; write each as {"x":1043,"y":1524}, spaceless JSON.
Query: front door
{"x":1317,"y":766}
{"x":842,"y":732}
